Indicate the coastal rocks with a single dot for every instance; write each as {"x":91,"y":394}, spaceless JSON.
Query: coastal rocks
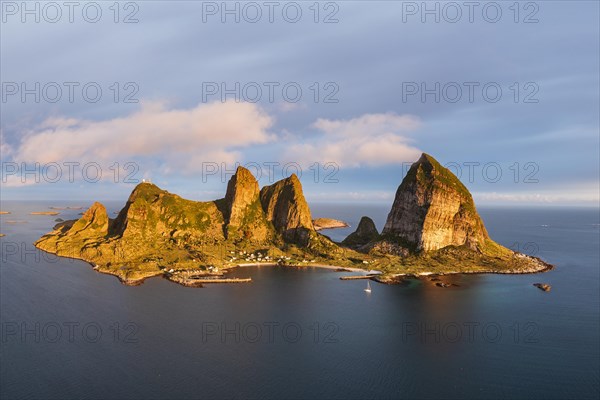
{"x":543,"y":286}
{"x":445,"y":284}
{"x":285,"y":206}
{"x":390,"y":279}
{"x":433,"y":209}
{"x":365,"y":232}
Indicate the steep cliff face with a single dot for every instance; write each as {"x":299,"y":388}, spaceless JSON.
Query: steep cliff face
{"x":244,"y":216}
{"x":285,"y":206}
{"x":433,"y":209}
{"x":365,"y":232}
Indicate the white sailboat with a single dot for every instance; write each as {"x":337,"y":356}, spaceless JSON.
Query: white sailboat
{"x":368,"y":289}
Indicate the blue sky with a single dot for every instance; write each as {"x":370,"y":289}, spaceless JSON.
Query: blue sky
{"x":361,"y":118}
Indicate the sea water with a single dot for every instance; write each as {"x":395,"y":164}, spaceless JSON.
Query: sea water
{"x":68,"y":331}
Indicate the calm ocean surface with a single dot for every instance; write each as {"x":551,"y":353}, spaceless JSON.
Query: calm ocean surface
{"x":68,"y":331}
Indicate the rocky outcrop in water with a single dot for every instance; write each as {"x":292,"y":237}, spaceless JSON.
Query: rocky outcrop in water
{"x":543,"y":286}
{"x":365,"y":233}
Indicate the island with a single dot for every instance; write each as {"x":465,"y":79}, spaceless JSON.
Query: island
{"x":44,"y":213}
{"x":433,"y":228}
{"x":328,"y":223}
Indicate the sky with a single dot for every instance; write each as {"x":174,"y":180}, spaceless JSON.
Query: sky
{"x":346,"y":94}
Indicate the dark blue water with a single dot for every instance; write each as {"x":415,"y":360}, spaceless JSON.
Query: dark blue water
{"x":68,"y":331}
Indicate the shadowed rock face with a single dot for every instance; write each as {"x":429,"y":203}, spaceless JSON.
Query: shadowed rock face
{"x":285,"y":206}
{"x":433,"y":209}
{"x":364,"y":233}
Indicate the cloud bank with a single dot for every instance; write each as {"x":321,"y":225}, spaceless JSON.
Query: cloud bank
{"x":176,"y":139}
{"x":371,"y":140}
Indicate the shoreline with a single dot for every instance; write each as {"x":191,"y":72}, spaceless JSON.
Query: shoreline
{"x":375,"y":275}
{"x":200,"y":281}
{"x":392,"y":278}
{"x":308,"y":265}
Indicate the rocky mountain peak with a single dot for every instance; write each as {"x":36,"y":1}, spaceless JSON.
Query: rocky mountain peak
{"x":94,"y":222}
{"x":285,"y":206}
{"x":242,"y":191}
{"x":433,"y":209}
{"x":241,"y":180}
{"x":140,"y":198}
{"x":243,"y":213}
